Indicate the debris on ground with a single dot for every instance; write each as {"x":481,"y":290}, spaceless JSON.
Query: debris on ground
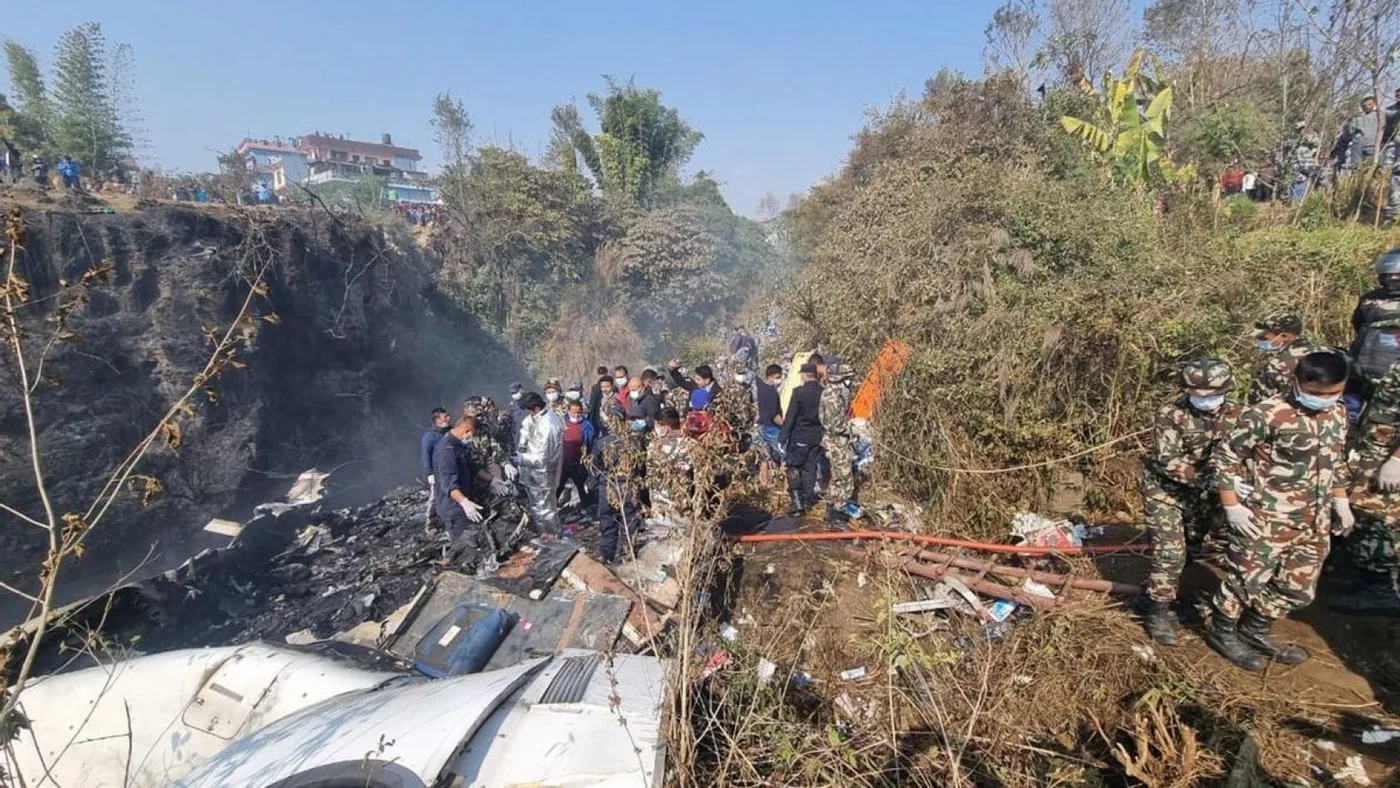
{"x":1037,"y":530}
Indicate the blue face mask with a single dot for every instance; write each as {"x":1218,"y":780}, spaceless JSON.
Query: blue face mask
{"x":1265,"y":345}
{"x":1207,"y":404}
{"x":1388,"y":340}
{"x":1314,"y":402}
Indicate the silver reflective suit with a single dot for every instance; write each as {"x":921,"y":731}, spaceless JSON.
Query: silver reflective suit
{"x":541,"y":451}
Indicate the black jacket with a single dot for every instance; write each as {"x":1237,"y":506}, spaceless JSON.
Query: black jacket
{"x":802,"y":424}
{"x":648,"y":407}
{"x":451,"y":468}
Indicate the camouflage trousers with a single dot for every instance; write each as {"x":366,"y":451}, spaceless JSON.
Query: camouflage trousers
{"x":1276,"y":573}
{"x":841,"y":455}
{"x":1175,"y":515}
{"x":1371,"y":546}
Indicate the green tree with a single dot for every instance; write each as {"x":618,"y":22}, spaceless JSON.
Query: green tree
{"x":520,"y":236}
{"x":641,"y":143}
{"x":87,"y":121}
{"x":32,"y":112}
{"x":452,"y":129}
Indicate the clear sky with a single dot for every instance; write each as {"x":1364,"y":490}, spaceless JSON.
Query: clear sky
{"x":778,"y":87}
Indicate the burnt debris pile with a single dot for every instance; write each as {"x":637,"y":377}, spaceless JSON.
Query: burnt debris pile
{"x":294,"y":570}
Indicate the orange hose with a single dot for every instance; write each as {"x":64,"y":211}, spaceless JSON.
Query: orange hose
{"x":900,"y":536}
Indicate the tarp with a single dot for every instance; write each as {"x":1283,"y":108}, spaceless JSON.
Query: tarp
{"x":793,"y":379}
{"x":881,"y":378}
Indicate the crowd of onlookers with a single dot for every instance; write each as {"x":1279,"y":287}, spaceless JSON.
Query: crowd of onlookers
{"x":418,"y":214}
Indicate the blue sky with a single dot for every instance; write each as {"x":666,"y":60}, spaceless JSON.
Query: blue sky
{"x":778,"y":88}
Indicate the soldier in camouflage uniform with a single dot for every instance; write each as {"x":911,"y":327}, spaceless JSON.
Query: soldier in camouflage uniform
{"x":1176,"y":483}
{"x":1283,"y":479}
{"x":839,"y":444}
{"x":489,"y":460}
{"x":1281,"y":336}
{"x":1372,"y":565}
{"x":1298,"y":158}
{"x":668,"y":464}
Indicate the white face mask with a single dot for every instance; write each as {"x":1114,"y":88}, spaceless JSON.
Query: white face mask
{"x":1265,"y":345}
{"x":1208,"y":403}
{"x":574,"y":396}
{"x":575,"y":419}
{"x":620,"y":382}
{"x":743,"y":378}
{"x":515,"y":397}
{"x":1313,"y":402}
{"x":634,"y":395}
{"x":551,"y":396}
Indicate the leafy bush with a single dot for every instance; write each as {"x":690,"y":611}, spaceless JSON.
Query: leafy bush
{"x":1047,"y":315}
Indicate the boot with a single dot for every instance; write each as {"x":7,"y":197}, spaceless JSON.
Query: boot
{"x":836,"y":518}
{"x":1254,"y":632}
{"x":797,"y":509}
{"x":1160,"y":622}
{"x":1223,"y":637}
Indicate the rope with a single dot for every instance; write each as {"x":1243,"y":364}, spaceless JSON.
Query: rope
{"x":1015,"y":468}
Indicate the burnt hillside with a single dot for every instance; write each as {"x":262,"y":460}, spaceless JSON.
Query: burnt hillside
{"x":349,"y":350}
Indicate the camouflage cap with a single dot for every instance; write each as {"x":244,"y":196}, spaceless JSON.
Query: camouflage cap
{"x":838,"y":372}
{"x":1387,"y":323}
{"x":1207,"y":374}
{"x":1291,"y":322}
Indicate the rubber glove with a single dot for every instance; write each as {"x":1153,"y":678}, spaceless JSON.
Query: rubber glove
{"x":1388,"y":480}
{"x":471,"y":510}
{"x":510,"y":471}
{"x":1242,"y":520}
{"x":501,"y":487}
{"x":1344,"y":520}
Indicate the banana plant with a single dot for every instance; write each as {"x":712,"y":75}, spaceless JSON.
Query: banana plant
{"x":1131,"y":138}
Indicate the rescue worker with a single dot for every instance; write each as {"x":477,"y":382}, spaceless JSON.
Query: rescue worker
{"x":1283,"y":481}
{"x":1299,"y":159}
{"x":517,"y":416}
{"x":540,"y":456}
{"x":439,"y":422}
{"x":1375,"y":351}
{"x":642,"y":405}
{"x":1280,"y":336}
{"x":838,"y":444}
{"x":770,"y":413}
{"x":1179,"y":500}
{"x":454,"y":473}
{"x":616,"y":485}
{"x":553,"y":398}
{"x":494,"y":471}
{"x":1361,"y":135}
{"x":669,"y":455}
{"x":801,"y":439}
{"x":574,"y":394}
{"x":577,"y":445}
{"x":1372,"y":566}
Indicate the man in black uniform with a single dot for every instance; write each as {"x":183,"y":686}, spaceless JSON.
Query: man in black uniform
{"x":801,"y":439}
{"x":453,"y":475}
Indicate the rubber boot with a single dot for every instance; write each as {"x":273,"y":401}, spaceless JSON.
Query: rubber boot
{"x":1254,"y":632}
{"x":1223,"y":637}
{"x":1160,"y":622}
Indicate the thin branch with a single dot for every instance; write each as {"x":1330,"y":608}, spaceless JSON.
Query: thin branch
{"x":21,"y":515}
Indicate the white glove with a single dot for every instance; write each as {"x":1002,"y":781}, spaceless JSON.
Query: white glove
{"x":510,"y":471}
{"x":500,"y":487}
{"x":1242,"y":520}
{"x":471,"y":510}
{"x":1388,"y":480}
{"x":1344,"y":520}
